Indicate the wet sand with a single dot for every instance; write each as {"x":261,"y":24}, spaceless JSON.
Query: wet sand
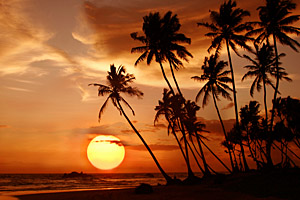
{"x":160,"y":192}
{"x":270,"y":185}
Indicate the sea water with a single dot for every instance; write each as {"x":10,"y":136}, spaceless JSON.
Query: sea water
{"x":18,"y":184}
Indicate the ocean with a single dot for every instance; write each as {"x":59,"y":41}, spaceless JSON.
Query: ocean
{"x":18,"y":184}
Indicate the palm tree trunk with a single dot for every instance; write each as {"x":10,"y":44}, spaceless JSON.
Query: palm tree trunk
{"x":269,"y":140}
{"x":224,"y":131}
{"x":284,"y":154}
{"x":293,"y":153}
{"x":165,"y":77}
{"x":207,"y":172}
{"x":265,"y":102}
{"x":215,"y":155}
{"x":235,"y":161}
{"x":201,"y":155}
{"x":235,"y":107}
{"x":176,"y":83}
{"x":181,"y":127}
{"x":181,"y":149}
{"x":195,"y":157}
{"x":296,"y":142}
{"x":250,"y":149}
{"x":190,"y":172}
{"x":165,"y":175}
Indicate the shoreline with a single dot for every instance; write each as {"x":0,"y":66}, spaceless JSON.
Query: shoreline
{"x":160,"y":192}
{"x":270,"y":185}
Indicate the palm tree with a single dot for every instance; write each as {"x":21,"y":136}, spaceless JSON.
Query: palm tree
{"x":275,"y":22}
{"x":118,"y":82}
{"x":160,"y":40}
{"x":165,"y":108}
{"x":176,"y":105}
{"x":260,"y":68}
{"x":151,"y":43}
{"x":194,"y":128}
{"x":287,"y":110}
{"x":250,"y":117}
{"x":216,"y":84}
{"x":226,"y":27}
{"x":170,"y":44}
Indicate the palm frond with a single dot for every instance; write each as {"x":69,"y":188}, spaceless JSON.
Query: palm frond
{"x":102,"y":109}
{"x":127,"y":104}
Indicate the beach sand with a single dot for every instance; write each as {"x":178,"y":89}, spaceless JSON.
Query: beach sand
{"x":160,"y":192}
{"x":273,"y":185}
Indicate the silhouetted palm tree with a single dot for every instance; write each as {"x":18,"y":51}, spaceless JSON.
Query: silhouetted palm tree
{"x":118,"y":82}
{"x":172,"y":106}
{"x":217,"y":80}
{"x":165,"y":108}
{"x":275,"y":22}
{"x":260,"y":68}
{"x":152,"y":28}
{"x":250,"y":117}
{"x":194,"y":128}
{"x":171,"y":39}
{"x":226,"y":27}
{"x":161,"y":40}
{"x":287,"y":110}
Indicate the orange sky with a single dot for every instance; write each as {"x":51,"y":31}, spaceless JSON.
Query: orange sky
{"x":50,"y":50}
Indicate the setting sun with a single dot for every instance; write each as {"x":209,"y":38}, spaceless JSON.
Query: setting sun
{"x":105,"y":152}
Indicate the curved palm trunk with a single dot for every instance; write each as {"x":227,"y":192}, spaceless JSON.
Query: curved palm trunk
{"x":285,"y":153}
{"x":250,"y":149}
{"x":224,"y":131}
{"x":265,"y":102}
{"x":235,"y":107}
{"x":181,"y":149}
{"x":165,"y":77}
{"x":269,"y":140}
{"x":235,"y":161}
{"x":174,"y":78}
{"x":185,"y":140}
{"x":195,"y":157}
{"x":190,"y":172}
{"x":207,"y":172}
{"x":215,"y":155}
{"x":166,"y":176}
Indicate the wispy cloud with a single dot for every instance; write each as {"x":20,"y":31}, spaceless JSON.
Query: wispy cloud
{"x":230,"y":105}
{"x":4,"y":126}
{"x":19,"y":89}
{"x":154,"y":147}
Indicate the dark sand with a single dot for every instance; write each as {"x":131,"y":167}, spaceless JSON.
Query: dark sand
{"x":160,"y":192}
{"x":270,"y":185}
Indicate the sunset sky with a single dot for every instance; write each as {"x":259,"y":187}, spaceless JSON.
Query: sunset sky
{"x":50,"y":50}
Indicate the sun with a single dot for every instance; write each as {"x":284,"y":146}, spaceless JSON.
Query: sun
{"x":105,"y":152}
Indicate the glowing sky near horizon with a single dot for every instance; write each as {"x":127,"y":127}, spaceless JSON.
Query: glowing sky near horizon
{"x":50,"y":50}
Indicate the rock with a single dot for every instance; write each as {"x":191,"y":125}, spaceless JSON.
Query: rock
{"x":76,"y":175}
{"x":143,"y":188}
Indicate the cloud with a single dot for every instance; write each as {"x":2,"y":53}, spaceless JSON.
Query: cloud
{"x":214,"y":126}
{"x":160,"y":126}
{"x":19,"y":89}
{"x":154,"y":147}
{"x":4,"y":126}
{"x":151,"y":128}
{"x":139,"y":130}
{"x":230,"y":105}
{"x":117,"y":142}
